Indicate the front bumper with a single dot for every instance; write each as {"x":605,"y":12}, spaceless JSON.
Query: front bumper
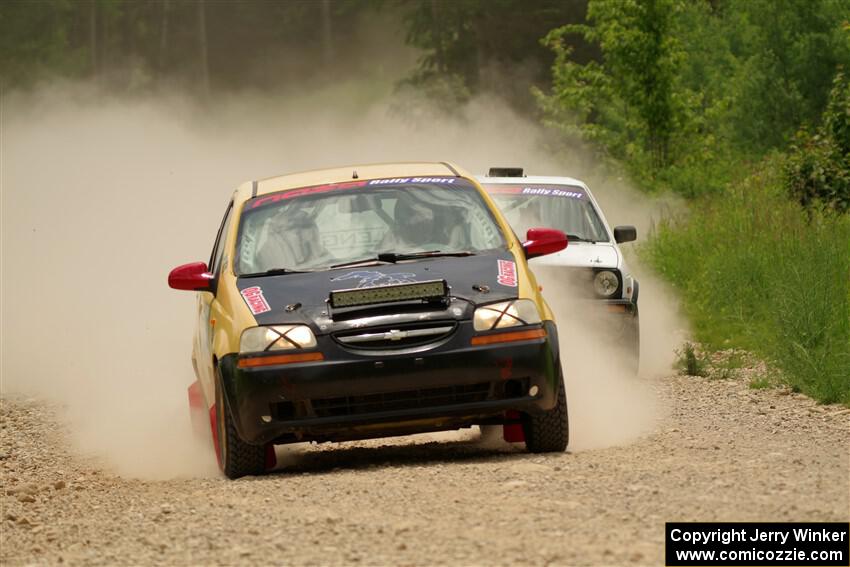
{"x":622,"y":315}
{"x":351,"y":395}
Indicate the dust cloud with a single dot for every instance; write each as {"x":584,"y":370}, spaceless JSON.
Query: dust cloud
{"x":608,"y":404}
{"x":102,"y":195}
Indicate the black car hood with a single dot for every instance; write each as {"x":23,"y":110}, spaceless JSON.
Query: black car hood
{"x":302,"y":297}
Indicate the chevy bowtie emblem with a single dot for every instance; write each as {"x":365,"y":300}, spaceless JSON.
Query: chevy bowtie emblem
{"x":395,"y":335}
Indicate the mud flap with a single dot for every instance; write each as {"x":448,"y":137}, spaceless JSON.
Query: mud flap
{"x":271,"y":457}
{"x":512,"y":432}
{"x":197,"y":410}
{"x":214,"y":428}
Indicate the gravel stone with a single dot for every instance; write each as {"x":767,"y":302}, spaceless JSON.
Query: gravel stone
{"x":720,"y":451}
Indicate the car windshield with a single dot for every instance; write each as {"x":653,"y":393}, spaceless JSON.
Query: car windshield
{"x":319,"y":227}
{"x":566,"y":208}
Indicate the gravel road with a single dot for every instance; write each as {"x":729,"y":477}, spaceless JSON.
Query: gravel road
{"x":721,"y":452}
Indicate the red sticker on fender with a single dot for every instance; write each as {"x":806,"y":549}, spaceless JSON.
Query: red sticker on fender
{"x":507,"y":273}
{"x":253,"y":296}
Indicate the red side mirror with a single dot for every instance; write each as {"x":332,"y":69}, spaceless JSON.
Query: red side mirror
{"x":542,"y":241}
{"x":191,"y":277}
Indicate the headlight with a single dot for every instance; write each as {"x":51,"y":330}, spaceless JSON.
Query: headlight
{"x":606,"y":283}
{"x":279,"y":337}
{"x":506,"y":314}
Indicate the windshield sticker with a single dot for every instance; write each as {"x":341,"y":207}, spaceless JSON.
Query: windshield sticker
{"x":368,"y":278}
{"x":400,"y":180}
{"x":507,"y":273}
{"x":346,"y":239}
{"x":257,"y":303}
{"x":292,"y":193}
{"x":573,"y":193}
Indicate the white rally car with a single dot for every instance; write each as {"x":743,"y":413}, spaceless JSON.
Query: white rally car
{"x":593,"y":263}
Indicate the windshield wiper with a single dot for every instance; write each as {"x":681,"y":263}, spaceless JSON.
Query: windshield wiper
{"x":576,"y":238}
{"x":372,"y":260}
{"x":272,"y":272}
{"x":393,"y":257}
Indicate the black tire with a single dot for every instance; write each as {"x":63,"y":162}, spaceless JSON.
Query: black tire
{"x":236,"y":458}
{"x":549,"y":432}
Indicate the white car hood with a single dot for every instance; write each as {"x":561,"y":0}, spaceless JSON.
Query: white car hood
{"x":583,"y":255}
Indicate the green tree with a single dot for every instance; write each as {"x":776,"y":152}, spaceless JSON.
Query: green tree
{"x":818,"y":169}
{"x":785,"y":53}
{"x":686,"y":93}
{"x":132,"y":45}
{"x":625,"y":101}
{"x":35,"y":40}
{"x":477,"y":45}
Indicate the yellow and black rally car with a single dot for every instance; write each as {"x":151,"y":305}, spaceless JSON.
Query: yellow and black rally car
{"x":370,"y":301}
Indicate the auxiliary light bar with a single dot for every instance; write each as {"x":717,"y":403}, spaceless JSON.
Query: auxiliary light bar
{"x":430,"y":290}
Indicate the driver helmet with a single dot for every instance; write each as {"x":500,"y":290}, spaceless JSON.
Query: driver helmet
{"x":416,"y":222}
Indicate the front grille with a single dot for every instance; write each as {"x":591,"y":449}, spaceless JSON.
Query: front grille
{"x":396,"y":337}
{"x":419,"y":399}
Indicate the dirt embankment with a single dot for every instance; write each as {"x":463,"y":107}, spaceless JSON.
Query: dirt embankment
{"x":723,"y":452}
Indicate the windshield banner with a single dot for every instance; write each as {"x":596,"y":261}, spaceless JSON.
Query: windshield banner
{"x":291,"y":193}
{"x":541,"y":190}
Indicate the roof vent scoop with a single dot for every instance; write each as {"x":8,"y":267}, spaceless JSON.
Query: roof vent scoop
{"x":505,"y":172}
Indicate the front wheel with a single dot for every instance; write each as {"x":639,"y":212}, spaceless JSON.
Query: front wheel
{"x":235,"y":457}
{"x":549,"y":432}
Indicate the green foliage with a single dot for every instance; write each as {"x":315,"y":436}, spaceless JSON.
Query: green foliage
{"x":756,"y":271}
{"x":256,"y":44}
{"x":446,"y":31}
{"x":34,"y":40}
{"x":625,"y":102}
{"x":760,"y":383}
{"x":728,"y":367}
{"x":785,"y":53}
{"x":131,"y":45}
{"x":690,"y":362}
{"x":818,"y":170}
{"x":488,"y":44}
{"x":688,"y":93}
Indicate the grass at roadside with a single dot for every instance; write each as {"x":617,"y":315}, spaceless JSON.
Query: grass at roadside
{"x":757,"y":272}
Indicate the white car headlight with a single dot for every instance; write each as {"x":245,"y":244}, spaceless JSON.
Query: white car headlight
{"x":606,"y":283}
{"x":506,"y":314}
{"x":278,"y":337}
